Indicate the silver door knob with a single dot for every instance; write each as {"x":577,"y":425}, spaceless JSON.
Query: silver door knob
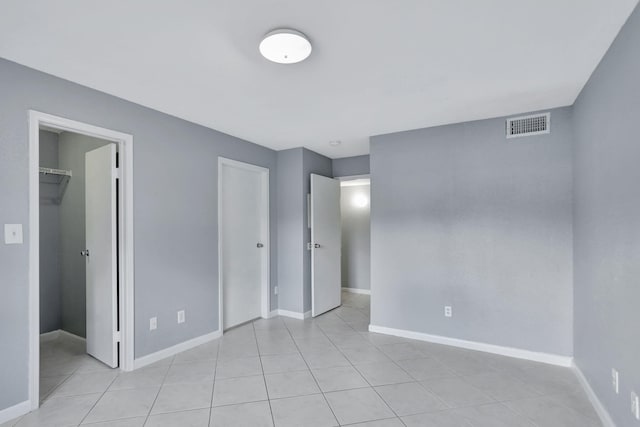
{"x":316,"y":245}
{"x":84,"y":253}
{"x":260,"y":245}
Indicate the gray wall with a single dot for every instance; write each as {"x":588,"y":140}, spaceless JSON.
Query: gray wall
{"x":350,"y":166}
{"x":462,"y":217}
{"x":356,"y":238}
{"x":607,"y":224}
{"x":294,"y":267}
{"x":291,"y":223}
{"x":312,"y":162}
{"x":71,"y":156}
{"x":175,"y":212}
{"x":50,"y":271}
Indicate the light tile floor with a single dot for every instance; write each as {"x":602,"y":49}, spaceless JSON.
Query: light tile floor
{"x":326,"y":371}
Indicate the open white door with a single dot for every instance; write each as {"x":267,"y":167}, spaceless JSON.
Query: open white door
{"x":100,"y":211}
{"x":325,"y":244}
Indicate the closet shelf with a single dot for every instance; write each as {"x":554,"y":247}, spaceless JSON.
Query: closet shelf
{"x":60,"y":177}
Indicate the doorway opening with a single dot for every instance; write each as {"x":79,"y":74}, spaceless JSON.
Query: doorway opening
{"x":243,"y":239}
{"x":81,"y":253}
{"x":355,"y":210}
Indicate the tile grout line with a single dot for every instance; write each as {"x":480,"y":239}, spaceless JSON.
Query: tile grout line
{"x":264,"y":378}
{"x":155,"y":399}
{"x":215,"y":374}
{"x":354,"y":367}
{"x":311,"y":373}
{"x":98,"y":400}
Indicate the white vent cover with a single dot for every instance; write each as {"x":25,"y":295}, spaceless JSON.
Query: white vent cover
{"x":535,"y":124}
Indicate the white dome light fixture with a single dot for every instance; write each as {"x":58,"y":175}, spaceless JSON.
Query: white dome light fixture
{"x":285,"y":46}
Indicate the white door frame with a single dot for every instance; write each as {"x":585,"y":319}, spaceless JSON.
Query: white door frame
{"x":266,"y":287}
{"x":125,"y":213}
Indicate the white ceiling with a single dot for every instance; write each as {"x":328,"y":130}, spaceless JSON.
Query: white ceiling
{"x":377,"y":66}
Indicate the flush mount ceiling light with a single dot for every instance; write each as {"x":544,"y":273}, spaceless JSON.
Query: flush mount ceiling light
{"x":285,"y":46}
{"x":335,"y":143}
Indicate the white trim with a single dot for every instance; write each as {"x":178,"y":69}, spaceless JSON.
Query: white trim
{"x":294,"y":314}
{"x":265,"y":225}
{"x":602,"y":412}
{"x":125,"y":149}
{"x":273,"y":313}
{"x":551,"y":359}
{"x":357,"y":290}
{"x":14,"y":411}
{"x":175,"y":349}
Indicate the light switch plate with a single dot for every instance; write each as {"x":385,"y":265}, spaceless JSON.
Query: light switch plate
{"x":181,"y":316}
{"x":615,"y":381}
{"x":153,"y":323}
{"x":13,"y":234}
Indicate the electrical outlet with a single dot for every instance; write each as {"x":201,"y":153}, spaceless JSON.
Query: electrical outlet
{"x":275,"y":290}
{"x":181,"y":316}
{"x":447,"y":311}
{"x":635,"y":405}
{"x":153,"y":323}
{"x":615,"y":380}
{"x":13,"y":234}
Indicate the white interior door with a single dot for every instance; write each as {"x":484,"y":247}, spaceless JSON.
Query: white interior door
{"x":326,"y":244}
{"x":100,"y":211}
{"x":244,"y":246}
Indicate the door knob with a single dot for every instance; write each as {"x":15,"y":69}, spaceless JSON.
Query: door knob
{"x":260,"y":245}
{"x":84,"y":253}
{"x":316,"y":245}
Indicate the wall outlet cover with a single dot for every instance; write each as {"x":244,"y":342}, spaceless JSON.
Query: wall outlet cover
{"x":635,"y":405}
{"x":153,"y":323}
{"x":275,"y":290}
{"x":448,"y":312}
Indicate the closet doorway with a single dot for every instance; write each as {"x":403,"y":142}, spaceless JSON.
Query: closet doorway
{"x":81,"y":287}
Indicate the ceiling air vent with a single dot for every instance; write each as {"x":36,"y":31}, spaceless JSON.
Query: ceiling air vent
{"x":536,"y":124}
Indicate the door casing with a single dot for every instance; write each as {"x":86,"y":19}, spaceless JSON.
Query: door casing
{"x":125,"y":250}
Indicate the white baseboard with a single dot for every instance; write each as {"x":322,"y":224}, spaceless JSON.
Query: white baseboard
{"x":272,"y":313}
{"x":552,"y":359}
{"x":357,"y":291}
{"x":294,"y":314}
{"x":602,"y":412}
{"x":15,"y":411}
{"x":173,"y":350}
{"x":53,"y":335}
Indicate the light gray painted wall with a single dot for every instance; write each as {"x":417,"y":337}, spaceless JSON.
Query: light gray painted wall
{"x":607,"y":224}
{"x":71,"y":156}
{"x":294,"y":266}
{"x":356,"y":238}
{"x":462,"y":217}
{"x":291,"y":202}
{"x":350,"y":166}
{"x":175,"y":212}
{"x":50,"y":271}
{"x":312,"y":162}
